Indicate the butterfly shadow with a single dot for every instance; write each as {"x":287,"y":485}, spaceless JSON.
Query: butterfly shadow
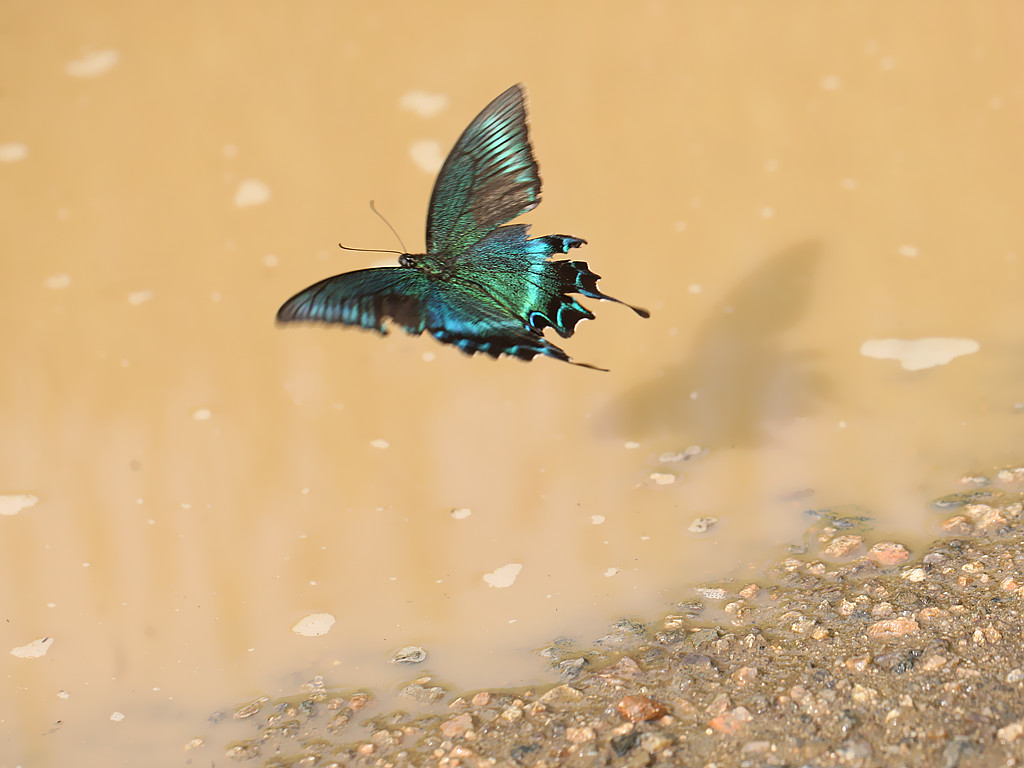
{"x":740,"y":373}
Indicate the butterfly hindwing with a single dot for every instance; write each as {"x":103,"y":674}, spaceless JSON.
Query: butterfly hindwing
{"x":519,"y":273}
{"x":488,"y":178}
{"x":474,"y":322}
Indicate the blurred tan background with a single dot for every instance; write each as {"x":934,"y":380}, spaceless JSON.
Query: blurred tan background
{"x":788,"y":187}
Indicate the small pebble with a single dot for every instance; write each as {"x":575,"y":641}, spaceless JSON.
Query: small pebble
{"x":640,"y":708}
{"x":841,"y":546}
{"x":889,"y":553}
{"x":457,"y":726}
{"x":898,"y":627}
{"x":580,"y":735}
{"x":1011,"y":732}
{"x":731,"y":721}
{"x":411,"y":654}
{"x":702,"y":524}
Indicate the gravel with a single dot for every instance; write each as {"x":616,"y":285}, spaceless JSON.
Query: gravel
{"x":856,"y":652}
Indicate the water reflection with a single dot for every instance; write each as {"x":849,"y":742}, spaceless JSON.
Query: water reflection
{"x":205,"y":480}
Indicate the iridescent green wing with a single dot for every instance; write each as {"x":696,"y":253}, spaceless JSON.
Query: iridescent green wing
{"x":366,"y":298}
{"x":489,"y":178}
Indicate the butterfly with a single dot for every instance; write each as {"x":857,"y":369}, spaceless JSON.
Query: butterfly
{"x":481,"y":286}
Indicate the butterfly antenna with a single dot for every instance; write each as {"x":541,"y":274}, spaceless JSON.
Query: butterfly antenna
{"x":369,"y":250}
{"x":395,"y":233}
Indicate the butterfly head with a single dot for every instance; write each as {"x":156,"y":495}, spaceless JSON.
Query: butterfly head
{"x":429,"y":265}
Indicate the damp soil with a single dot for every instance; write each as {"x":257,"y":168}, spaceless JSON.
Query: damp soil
{"x":851,"y":651}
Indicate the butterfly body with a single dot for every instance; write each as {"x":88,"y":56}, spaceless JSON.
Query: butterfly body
{"x":481,"y":286}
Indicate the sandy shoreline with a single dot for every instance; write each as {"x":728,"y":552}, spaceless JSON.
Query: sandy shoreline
{"x":844,"y":655}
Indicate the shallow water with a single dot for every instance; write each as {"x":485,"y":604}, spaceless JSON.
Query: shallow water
{"x":780,"y":190}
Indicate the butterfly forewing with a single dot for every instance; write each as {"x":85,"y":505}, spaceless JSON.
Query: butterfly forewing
{"x":366,"y":297}
{"x":489,"y":178}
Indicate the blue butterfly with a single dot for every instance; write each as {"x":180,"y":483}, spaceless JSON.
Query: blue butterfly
{"x":481,"y":286}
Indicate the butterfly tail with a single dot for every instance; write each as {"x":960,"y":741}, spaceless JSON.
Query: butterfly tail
{"x":576,"y":277}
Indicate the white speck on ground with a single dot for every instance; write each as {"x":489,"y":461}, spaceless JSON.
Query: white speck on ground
{"x":33,"y":650}
{"x":251,"y":192}
{"x":427,"y":155}
{"x":314,"y":625}
{"x":918,"y":354}
{"x":504,"y":576}
{"x":13,"y":151}
{"x":12,"y":504}
{"x":423,"y":103}
{"x":92,"y":64}
{"x":58,"y":281}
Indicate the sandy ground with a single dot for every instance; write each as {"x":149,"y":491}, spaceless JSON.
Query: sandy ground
{"x":846,"y":654}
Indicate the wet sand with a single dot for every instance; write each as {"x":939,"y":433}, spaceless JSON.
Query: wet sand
{"x":851,"y":651}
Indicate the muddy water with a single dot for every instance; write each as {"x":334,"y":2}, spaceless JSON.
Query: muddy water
{"x":801,"y":196}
